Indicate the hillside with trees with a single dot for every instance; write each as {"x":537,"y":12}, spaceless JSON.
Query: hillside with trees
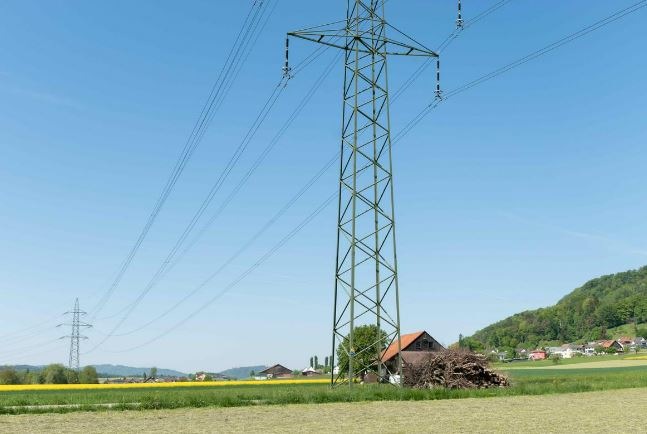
{"x":585,"y":314}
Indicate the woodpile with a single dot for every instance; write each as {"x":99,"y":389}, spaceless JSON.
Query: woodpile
{"x":452,"y":369}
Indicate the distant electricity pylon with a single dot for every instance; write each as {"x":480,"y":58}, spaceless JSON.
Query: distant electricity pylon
{"x":75,"y":337}
{"x":366,"y":276}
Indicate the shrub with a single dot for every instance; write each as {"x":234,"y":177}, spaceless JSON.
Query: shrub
{"x":9,"y":376}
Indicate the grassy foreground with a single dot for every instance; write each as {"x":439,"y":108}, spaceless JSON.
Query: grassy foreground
{"x":525,"y":382}
{"x":585,"y":412}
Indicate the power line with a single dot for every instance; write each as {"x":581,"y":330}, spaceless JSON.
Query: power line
{"x":258,"y":121}
{"x":246,"y":273}
{"x":208,"y":111}
{"x":525,"y":59}
{"x":268,"y":224}
{"x":29,"y":348}
{"x":233,"y":194}
{"x":302,"y":65}
{"x":31,"y":351}
{"x":309,"y":59}
{"x":170,"y":260}
{"x":28,"y":332}
{"x":446,"y":43}
{"x":237,"y":65}
{"x":317,"y":53}
{"x":409,"y":126}
{"x":260,"y":159}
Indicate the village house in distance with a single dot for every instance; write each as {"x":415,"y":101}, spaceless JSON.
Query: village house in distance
{"x":593,"y":348}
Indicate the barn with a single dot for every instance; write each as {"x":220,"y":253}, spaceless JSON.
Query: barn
{"x":414,"y":346}
{"x":276,"y":371}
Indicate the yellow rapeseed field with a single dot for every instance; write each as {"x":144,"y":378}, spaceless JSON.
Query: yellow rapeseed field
{"x":31,"y":387}
{"x":636,"y":358}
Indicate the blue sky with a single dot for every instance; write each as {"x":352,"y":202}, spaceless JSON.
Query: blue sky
{"x":507,"y":197}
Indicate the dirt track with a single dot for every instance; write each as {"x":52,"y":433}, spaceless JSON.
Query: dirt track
{"x":586,"y":412}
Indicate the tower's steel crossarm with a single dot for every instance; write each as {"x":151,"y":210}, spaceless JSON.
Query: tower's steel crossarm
{"x":343,"y":38}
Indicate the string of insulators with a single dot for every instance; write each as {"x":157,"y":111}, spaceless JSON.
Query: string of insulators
{"x":286,"y":68}
{"x":459,"y":21}
{"x":439,"y":92}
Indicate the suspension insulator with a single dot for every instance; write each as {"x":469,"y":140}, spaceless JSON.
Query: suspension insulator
{"x":286,"y":69}
{"x":459,"y":21}
{"x":439,"y":92}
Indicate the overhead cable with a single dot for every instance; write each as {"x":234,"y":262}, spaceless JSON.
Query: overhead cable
{"x":398,"y":137}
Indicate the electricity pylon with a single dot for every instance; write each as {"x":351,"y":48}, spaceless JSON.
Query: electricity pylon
{"x":366,"y":275}
{"x":75,"y":337}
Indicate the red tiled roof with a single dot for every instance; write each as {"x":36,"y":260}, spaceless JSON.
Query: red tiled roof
{"x":405,"y":341}
{"x":607,"y":344}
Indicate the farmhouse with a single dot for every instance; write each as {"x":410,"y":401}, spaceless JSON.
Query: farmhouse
{"x":500,"y":355}
{"x":415,"y":347}
{"x":537,"y":355}
{"x":309,"y":372}
{"x":567,"y":351}
{"x":204,"y":376}
{"x":611,"y":344}
{"x":276,"y":371}
{"x":625,"y":341}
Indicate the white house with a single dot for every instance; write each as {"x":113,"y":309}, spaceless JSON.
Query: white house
{"x":566,"y":351}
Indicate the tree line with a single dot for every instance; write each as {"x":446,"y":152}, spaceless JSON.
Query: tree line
{"x":51,"y":374}
{"x":326,"y":368}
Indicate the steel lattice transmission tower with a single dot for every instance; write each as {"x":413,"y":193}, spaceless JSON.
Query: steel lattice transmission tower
{"x":366,"y":277}
{"x":75,"y":337}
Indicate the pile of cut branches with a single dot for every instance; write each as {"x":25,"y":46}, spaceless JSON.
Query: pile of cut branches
{"x":452,"y":369}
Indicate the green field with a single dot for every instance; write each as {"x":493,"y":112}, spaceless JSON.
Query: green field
{"x":535,"y":381}
{"x":525,"y":364}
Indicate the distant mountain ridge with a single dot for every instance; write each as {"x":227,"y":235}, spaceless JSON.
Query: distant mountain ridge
{"x":587,"y":313}
{"x":113,"y":370}
{"x":129,"y":371}
{"x":26,"y":367}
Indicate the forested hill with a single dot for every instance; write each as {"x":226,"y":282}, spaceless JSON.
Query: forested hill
{"x":584,"y":314}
